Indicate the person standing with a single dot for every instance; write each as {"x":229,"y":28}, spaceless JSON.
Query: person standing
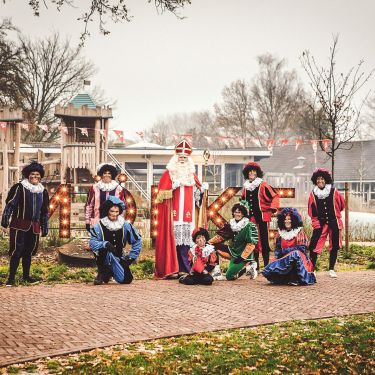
{"x":179,"y":197}
{"x":324,"y":208}
{"x":100,"y":191}
{"x":263,"y":202}
{"x":26,"y":214}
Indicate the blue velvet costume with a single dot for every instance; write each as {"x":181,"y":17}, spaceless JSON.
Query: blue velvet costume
{"x":291,"y":264}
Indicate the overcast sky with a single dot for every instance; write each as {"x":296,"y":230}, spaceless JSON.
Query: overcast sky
{"x":158,"y":65}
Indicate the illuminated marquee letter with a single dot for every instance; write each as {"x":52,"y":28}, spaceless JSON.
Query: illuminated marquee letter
{"x":62,"y":200}
{"x":214,"y":208}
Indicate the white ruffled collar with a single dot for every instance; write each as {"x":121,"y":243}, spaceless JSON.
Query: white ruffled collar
{"x":206,"y":251}
{"x":33,"y":188}
{"x":238,"y":225}
{"x":113,"y":225}
{"x":107,"y":186}
{"x":289,"y":234}
{"x":252,"y":185}
{"x":322,"y":193}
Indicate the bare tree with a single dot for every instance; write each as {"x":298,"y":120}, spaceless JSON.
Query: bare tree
{"x":277,"y":97}
{"x":264,"y":108}
{"x":310,"y":116}
{"x":196,"y":124}
{"x":367,"y":127}
{"x":234,"y":114}
{"x":9,"y":72}
{"x":105,"y":10}
{"x":51,"y":72}
{"x":100,"y":97}
{"x":335,"y":95}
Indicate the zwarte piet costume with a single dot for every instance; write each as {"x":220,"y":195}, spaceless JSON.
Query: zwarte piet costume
{"x":26,"y":214}
{"x":324,"y":207}
{"x":108,"y":240}
{"x":242,"y":236}
{"x":291,"y":264}
{"x":263,"y":201}
{"x":179,"y":197}
{"x":202,"y":260}
{"x":100,"y":191}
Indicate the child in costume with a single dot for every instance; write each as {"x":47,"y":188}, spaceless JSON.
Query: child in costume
{"x":243,"y":237}
{"x":291,"y":264}
{"x":202,"y":257}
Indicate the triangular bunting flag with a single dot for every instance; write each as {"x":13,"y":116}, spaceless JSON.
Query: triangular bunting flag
{"x":120,"y":135}
{"x":270,"y":143}
{"x":298,"y":142}
{"x":84,"y":131}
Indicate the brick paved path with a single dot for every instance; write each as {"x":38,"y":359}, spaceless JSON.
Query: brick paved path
{"x":45,"y":320}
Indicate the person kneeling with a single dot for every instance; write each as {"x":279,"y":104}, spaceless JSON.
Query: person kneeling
{"x":242,"y":235}
{"x":108,"y":239}
{"x":202,"y":257}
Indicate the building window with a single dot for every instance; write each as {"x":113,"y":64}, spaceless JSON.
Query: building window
{"x":213,"y":177}
{"x":233,"y":175}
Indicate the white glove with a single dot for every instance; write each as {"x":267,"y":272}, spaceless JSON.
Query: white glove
{"x":205,"y":186}
{"x":176,"y":184}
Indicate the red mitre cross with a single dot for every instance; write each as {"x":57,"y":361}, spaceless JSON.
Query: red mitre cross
{"x":183,"y":148}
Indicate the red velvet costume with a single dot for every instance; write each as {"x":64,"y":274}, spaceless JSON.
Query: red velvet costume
{"x":263,"y":201}
{"x":176,"y":215}
{"x":326,"y":219}
{"x":324,"y":207}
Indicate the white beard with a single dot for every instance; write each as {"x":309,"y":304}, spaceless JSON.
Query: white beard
{"x":184,"y":173}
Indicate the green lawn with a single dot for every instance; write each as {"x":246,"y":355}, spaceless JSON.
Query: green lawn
{"x":50,"y":272}
{"x":339,"y":345}
{"x":53,"y":273}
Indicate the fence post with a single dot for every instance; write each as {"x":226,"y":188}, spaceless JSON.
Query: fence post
{"x":346,"y":218}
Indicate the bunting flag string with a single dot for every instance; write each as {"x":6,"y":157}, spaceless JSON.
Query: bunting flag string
{"x":325,"y":143}
{"x":235,"y":142}
{"x":270,"y":143}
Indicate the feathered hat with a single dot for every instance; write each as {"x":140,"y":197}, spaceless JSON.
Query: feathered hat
{"x":109,"y":203}
{"x":294,"y":216}
{"x":33,"y":167}
{"x":252,"y":166}
{"x":243,"y":206}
